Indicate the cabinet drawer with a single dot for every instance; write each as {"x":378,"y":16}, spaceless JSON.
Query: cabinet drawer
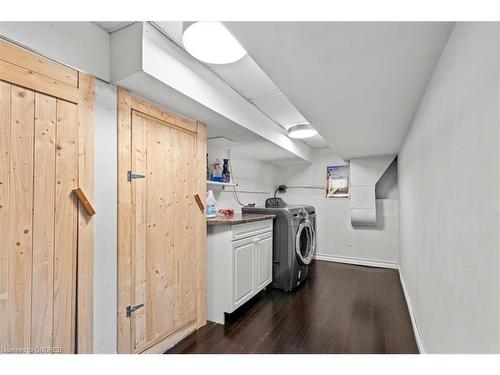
{"x":251,"y":229}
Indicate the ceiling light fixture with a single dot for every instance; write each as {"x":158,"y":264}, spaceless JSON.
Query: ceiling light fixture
{"x":301,"y":131}
{"x":212,"y":43}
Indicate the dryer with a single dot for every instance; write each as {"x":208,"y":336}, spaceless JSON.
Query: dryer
{"x":294,"y":241}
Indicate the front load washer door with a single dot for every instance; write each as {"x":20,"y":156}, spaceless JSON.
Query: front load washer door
{"x":305,"y":242}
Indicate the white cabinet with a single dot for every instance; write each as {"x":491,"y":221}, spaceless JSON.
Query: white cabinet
{"x":239,"y":265}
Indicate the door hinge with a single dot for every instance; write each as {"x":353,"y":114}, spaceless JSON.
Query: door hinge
{"x":131,"y":176}
{"x":131,"y":309}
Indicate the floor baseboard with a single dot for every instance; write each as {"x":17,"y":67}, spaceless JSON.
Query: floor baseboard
{"x":416,"y":331}
{"x":357,"y":261}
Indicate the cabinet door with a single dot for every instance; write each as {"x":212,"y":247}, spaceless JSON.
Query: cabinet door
{"x":243,"y":271}
{"x":263,"y":260}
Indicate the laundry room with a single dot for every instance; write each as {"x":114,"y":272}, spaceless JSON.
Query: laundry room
{"x":237,"y":187}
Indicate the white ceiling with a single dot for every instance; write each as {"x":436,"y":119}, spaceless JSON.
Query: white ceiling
{"x":112,"y":26}
{"x":357,"y":83}
{"x":250,"y":81}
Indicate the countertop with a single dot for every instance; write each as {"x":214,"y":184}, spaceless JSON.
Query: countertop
{"x":238,"y":219}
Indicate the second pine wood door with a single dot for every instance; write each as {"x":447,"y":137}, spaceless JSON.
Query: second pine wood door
{"x":163,"y":236}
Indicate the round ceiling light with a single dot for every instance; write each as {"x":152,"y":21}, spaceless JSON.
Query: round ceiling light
{"x":212,"y":43}
{"x":301,"y":131}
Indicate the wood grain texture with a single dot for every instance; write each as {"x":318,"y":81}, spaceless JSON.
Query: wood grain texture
{"x":85,"y":295}
{"x":157,"y":241}
{"x":162,"y":114}
{"x":66,"y":224}
{"x":21,"y":225}
{"x":27,"y":78}
{"x":339,"y":309}
{"x":18,"y":56}
{"x":47,"y":114}
{"x":5,"y":170}
{"x":43,"y":221}
{"x":139,"y":254}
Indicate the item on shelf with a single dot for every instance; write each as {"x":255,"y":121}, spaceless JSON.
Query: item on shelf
{"x":226,"y":174}
{"x":208,"y":169}
{"x":226,"y":212}
{"x":211,"y":205}
{"x":217,"y":171}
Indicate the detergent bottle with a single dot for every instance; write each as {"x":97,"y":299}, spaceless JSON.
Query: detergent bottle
{"x":211,"y":204}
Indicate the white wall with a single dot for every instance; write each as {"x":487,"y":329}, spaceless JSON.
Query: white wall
{"x":387,"y":186}
{"x":251,"y":175}
{"x":81,"y":45}
{"x":449,"y":189}
{"x":105,"y":224}
{"x":336,"y":238}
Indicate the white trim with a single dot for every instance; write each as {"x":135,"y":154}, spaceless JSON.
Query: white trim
{"x":416,"y":331}
{"x":358,"y":261}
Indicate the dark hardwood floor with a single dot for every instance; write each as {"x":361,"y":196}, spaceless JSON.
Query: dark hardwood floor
{"x":340,"y":309}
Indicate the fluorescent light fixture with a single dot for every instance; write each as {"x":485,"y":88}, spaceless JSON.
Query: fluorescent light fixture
{"x":212,"y":43}
{"x":301,"y":131}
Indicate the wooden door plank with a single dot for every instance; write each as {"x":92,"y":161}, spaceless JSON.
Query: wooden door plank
{"x":85,"y":293}
{"x":200,"y":225}
{"x":19,"y":56}
{"x":175,"y":216}
{"x":43,"y":221}
{"x":124,"y":218}
{"x":187,"y":253}
{"x":159,"y":241}
{"x":160,"y":114}
{"x":21,"y":206}
{"x":66,"y":226}
{"x":26,"y":78}
{"x":139,"y":160}
{"x":5,"y":104}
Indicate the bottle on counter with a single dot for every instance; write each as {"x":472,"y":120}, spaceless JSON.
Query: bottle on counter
{"x":211,"y":205}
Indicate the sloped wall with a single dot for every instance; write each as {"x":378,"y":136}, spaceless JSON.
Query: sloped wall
{"x":449,"y":191}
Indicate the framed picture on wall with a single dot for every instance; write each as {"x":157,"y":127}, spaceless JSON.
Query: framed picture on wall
{"x":337,"y":181}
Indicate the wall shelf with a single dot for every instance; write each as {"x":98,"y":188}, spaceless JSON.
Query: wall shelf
{"x":222,"y":184}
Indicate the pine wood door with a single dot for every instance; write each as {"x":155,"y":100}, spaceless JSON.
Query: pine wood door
{"x":39,"y":221}
{"x":161,"y":227}
{"x":43,"y":143}
{"x":163,"y":271}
